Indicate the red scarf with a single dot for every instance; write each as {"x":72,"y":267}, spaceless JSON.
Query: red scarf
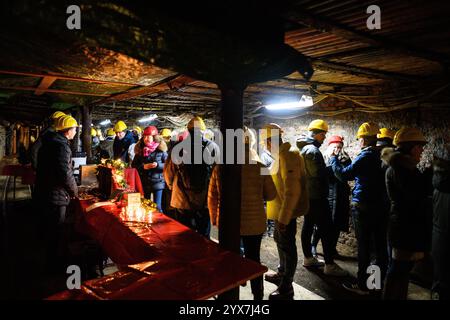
{"x":150,"y":147}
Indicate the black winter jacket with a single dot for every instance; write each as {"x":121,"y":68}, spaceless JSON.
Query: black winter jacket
{"x":55,"y":183}
{"x":410,"y":217}
{"x":339,"y":197}
{"x":316,"y":171}
{"x":152,"y":179}
{"x":120,"y":147}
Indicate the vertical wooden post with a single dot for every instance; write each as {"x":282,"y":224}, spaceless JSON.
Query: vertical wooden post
{"x":76,"y":139}
{"x":230,"y":204}
{"x":86,"y":132}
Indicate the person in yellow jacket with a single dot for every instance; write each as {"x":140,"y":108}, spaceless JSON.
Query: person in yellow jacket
{"x":255,"y":188}
{"x":289,"y":176}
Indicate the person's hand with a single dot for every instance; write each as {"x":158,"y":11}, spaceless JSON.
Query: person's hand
{"x":149,"y":166}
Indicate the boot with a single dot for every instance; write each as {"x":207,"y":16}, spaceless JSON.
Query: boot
{"x":283,"y":293}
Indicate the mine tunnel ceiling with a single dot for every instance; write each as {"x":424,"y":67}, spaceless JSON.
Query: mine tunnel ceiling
{"x":132,"y":60}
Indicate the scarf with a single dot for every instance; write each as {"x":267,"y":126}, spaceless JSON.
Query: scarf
{"x":150,"y":147}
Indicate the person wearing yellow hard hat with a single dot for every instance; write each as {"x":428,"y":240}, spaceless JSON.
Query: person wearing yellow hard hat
{"x":369,"y":204}
{"x":137,"y":133}
{"x":385,"y":138}
{"x":409,"y":218}
{"x":34,"y":150}
{"x":106,"y":146}
{"x":189,"y":182}
{"x":54,"y":188}
{"x":122,"y":142}
{"x":288,"y":169}
{"x":319,"y":215}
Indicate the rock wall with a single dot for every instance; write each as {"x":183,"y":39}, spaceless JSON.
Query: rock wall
{"x":2,"y":142}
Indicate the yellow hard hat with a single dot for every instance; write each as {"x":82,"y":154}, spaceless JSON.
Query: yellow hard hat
{"x":65,"y":122}
{"x":110,"y":132}
{"x":318,"y":124}
{"x":270,"y":130}
{"x":196,"y":122}
{"x":409,"y":135}
{"x":138,"y":129}
{"x":93,"y":132}
{"x":368,"y":129}
{"x":57,"y":114}
{"x":120,"y":126}
{"x":386,"y":133}
{"x":166,"y":132}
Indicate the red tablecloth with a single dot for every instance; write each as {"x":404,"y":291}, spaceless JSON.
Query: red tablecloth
{"x":17,"y":170}
{"x":165,"y":260}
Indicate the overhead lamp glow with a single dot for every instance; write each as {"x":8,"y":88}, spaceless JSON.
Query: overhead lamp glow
{"x":105,"y":122}
{"x":305,"y":101}
{"x":148,"y":118}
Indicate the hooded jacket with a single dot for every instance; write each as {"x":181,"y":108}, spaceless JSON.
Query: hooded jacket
{"x":120,"y":147}
{"x":255,"y":188}
{"x":152,"y":179}
{"x":316,"y":171}
{"x":409,"y":227}
{"x":55,"y":182}
{"x":289,"y":177}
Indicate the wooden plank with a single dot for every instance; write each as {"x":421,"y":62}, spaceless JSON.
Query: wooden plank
{"x":68,"y":78}
{"x":326,"y":26}
{"x":46,"y":82}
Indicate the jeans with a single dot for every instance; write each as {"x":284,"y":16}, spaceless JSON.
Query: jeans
{"x":287,"y":252}
{"x":370,"y":222}
{"x":252,"y":248}
{"x":197,"y":220}
{"x":319,"y":214}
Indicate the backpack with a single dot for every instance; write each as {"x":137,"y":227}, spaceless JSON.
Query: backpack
{"x":195,"y":177}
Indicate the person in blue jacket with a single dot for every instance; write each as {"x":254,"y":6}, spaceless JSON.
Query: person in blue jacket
{"x":369,"y":211}
{"x":122,"y":142}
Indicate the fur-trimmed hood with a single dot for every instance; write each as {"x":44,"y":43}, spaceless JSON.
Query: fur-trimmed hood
{"x":162,"y":145}
{"x":396,"y":159}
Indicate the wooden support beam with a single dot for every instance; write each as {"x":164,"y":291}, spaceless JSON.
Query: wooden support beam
{"x":324,"y":25}
{"x":169,"y":83}
{"x":56,"y":91}
{"x":230,"y":203}
{"x":68,"y":78}
{"x":86,"y":132}
{"x":360,"y":71}
{"x":46,"y":82}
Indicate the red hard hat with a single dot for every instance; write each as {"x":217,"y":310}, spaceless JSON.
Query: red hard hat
{"x":336,"y":139}
{"x":183,"y":135}
{"x":150,"y":131}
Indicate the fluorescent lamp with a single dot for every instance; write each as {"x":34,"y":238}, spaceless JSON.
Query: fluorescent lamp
{"x":305,"y":101}
{"x":148,"y":118}
{"x":105,"y":122}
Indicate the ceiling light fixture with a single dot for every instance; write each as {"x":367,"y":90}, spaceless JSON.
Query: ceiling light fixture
{"x":304,"y":102}
{"x":148,"y":118}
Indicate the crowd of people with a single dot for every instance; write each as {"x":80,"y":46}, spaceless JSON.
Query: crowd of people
{"x":398,"y":212}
